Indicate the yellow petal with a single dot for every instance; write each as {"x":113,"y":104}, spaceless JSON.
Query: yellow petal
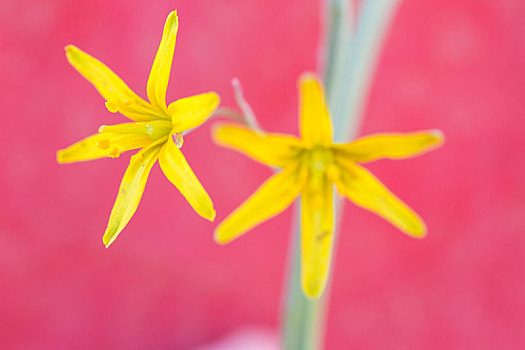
{"x":178,"y":171}
{"x":395,"y":146}
{"x":154,"y":129}
{"x":130,"y":191}
{"x":190,"y":112}
{"x":119,"y":96}
{"x":316,"y":235}
{"x":270,"y":199}
{"x":102,"y":145}
{"x":272,"y":149}
{"x":315,"y":121}
{"x":365,"y":190}
{"x":160,"y":71}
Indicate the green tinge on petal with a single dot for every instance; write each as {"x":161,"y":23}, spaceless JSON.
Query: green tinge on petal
{"x":270,"y":199}
{"x":130,"y":191}
{"x":271,"y":149}
{"x":119,"y":97}
{"x":190,"y":112}
{"x":178,"y":171}
{"x":365,"y":190}
{"x":391,"y":145}
{"x":160,"y":71}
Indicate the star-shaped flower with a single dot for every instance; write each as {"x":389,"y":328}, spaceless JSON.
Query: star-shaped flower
{"x":310,"y":165}
{"x":153,"y":128}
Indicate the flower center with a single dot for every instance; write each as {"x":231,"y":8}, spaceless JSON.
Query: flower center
{"x":319,"y":158}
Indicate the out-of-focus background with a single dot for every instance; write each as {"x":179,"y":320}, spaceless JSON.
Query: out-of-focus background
{"x":164,"y":284}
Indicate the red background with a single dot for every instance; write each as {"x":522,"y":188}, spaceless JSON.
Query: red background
{"x":164,"y":284}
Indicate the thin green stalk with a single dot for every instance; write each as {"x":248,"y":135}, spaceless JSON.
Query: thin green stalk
{"x":349,"y":60}
{"x":303,"y":317}
{"x":347,"y":92}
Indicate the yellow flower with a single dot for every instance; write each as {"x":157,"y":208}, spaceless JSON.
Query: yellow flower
{"x":310,"y":165}
{"x":153,"y":128}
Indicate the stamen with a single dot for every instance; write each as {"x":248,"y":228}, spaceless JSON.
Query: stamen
{"x":114,"y":152}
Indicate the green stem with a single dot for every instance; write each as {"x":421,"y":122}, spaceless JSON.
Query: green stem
{"x":347,"y":92}
{"x":350,"y":58}
{"x":303,"y":316}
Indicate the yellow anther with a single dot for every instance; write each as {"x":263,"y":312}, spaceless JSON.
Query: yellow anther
{"x":113,"y":152}
{"x":113,"y":108}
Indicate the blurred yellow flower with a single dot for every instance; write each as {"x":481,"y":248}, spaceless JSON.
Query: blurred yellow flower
{"x":311,"y":164}
{"x":153,"y":128}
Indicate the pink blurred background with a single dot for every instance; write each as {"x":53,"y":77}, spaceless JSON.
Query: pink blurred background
{"x":164,"y":284}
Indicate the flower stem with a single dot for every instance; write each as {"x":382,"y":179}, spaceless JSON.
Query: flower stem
{"x":349,"y":55}
{"x":303,"y":317}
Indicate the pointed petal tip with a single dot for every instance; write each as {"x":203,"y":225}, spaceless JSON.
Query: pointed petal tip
{"x":63,"y":156}
{"x":438,"y":134}
{"x":312,"y":291}
{"x":216,"y":98}
{"x":218,"y":132}
{"x":214,"y":129}
{"x":107,"y":240}
{"x":70,"y":51}
{"x":218,"y":237}
{"x":74,"y":56}
{"x":418,"y":231}
{"x":308,"y":76}
{"x":60,"y":157}
{"x":421,"y":234}
{"x":210,"y":216}
{"x":217,"y":126}
{"x":172,"y":18}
